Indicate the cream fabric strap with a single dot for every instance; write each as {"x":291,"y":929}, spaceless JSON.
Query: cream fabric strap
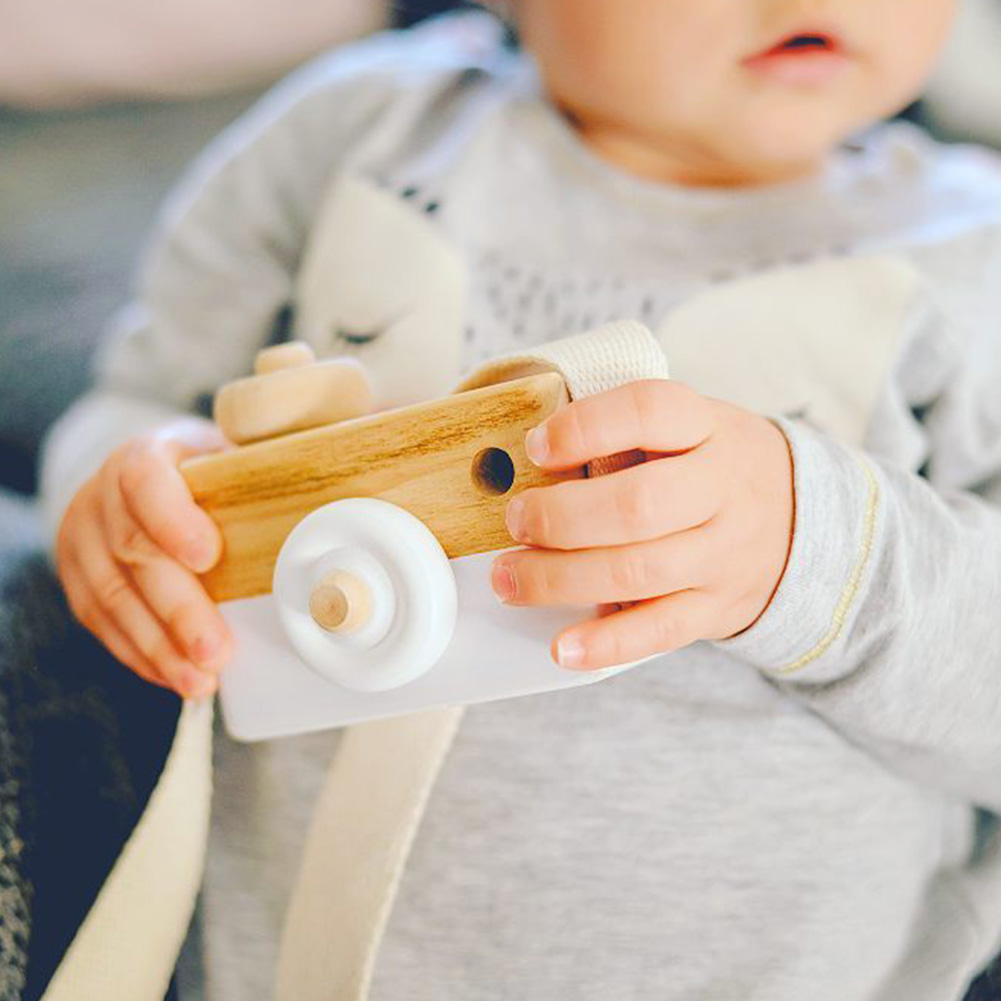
{"x":366,"y":816}
{"x":374,"y":797}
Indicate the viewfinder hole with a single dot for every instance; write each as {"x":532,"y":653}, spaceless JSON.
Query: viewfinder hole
{"x":493,"y":471}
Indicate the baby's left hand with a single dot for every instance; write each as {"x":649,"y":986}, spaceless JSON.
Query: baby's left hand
{"x":695,"y":540}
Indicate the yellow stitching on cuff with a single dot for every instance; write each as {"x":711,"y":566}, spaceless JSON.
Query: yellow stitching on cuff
{"x":851,"y":588}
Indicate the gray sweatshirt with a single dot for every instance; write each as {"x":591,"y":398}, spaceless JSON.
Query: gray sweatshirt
{"x":804,"y":811}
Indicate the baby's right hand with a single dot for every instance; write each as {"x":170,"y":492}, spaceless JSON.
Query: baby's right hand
{"x":128,"y":551}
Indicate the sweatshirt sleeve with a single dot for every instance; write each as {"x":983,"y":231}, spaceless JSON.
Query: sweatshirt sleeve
{"x":220,"y":268}
{"x":887,"y":621}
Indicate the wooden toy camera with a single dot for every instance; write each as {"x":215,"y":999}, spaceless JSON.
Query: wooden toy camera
{"x":357,"y":549}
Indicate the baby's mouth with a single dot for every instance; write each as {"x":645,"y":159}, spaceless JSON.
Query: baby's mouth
{"x":805,"y":42}
{"x":803,"y":57}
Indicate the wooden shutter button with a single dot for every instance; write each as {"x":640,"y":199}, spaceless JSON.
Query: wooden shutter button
{"x":291,"y":391}
{"x":290,"y":355}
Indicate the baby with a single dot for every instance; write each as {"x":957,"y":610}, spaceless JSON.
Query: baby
{"x":797,"y":800}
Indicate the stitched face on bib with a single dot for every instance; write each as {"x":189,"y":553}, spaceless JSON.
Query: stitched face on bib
{"x":381,"y":284}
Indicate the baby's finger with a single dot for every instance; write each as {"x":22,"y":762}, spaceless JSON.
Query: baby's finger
{"x":651,"y":627}
{"x":175,"y":596}
{"x":117,"y":597}
{"x":88,"y":612}
{"x":193,"y":620}
{"x":158,"y":498}
{"x":655,"y":415}
{"x":642,"y":502}
{"x":128,"y":540}
{"x":602,"y":576}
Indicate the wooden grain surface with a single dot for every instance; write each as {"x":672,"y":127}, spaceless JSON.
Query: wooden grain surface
{"x":420,"y":458}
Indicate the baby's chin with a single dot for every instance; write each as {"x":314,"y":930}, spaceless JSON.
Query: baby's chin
{"x":783,"y":147}
{"x":740,"y":142}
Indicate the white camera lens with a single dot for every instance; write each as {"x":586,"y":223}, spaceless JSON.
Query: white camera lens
{"x":365,"y":594}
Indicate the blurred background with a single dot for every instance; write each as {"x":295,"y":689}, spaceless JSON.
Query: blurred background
{"x":102,"y":102}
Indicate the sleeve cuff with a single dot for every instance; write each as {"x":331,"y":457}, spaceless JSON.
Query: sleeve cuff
{"x":835,"y":528}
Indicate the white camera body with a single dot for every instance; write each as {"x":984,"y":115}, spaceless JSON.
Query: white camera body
{"x":435,"y":635}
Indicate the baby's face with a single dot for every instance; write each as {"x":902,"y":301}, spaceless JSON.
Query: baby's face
{"x":730,"y":91}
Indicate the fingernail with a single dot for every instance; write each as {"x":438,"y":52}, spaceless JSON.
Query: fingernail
{"x":570,"y":652}
{"x":198,"y":555}
{"x":515,"y":517}
{"x":537,"y":444}
{"x":207,"y":647}
{"x":502,"y":579}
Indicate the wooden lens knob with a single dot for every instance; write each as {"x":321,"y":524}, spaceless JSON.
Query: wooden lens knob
{"x":341,"y":602}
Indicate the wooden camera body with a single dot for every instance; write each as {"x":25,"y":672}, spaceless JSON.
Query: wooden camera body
{"x":357,"y":547}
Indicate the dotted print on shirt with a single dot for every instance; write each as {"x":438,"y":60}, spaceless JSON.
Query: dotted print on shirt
{"x":515,"y":303}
